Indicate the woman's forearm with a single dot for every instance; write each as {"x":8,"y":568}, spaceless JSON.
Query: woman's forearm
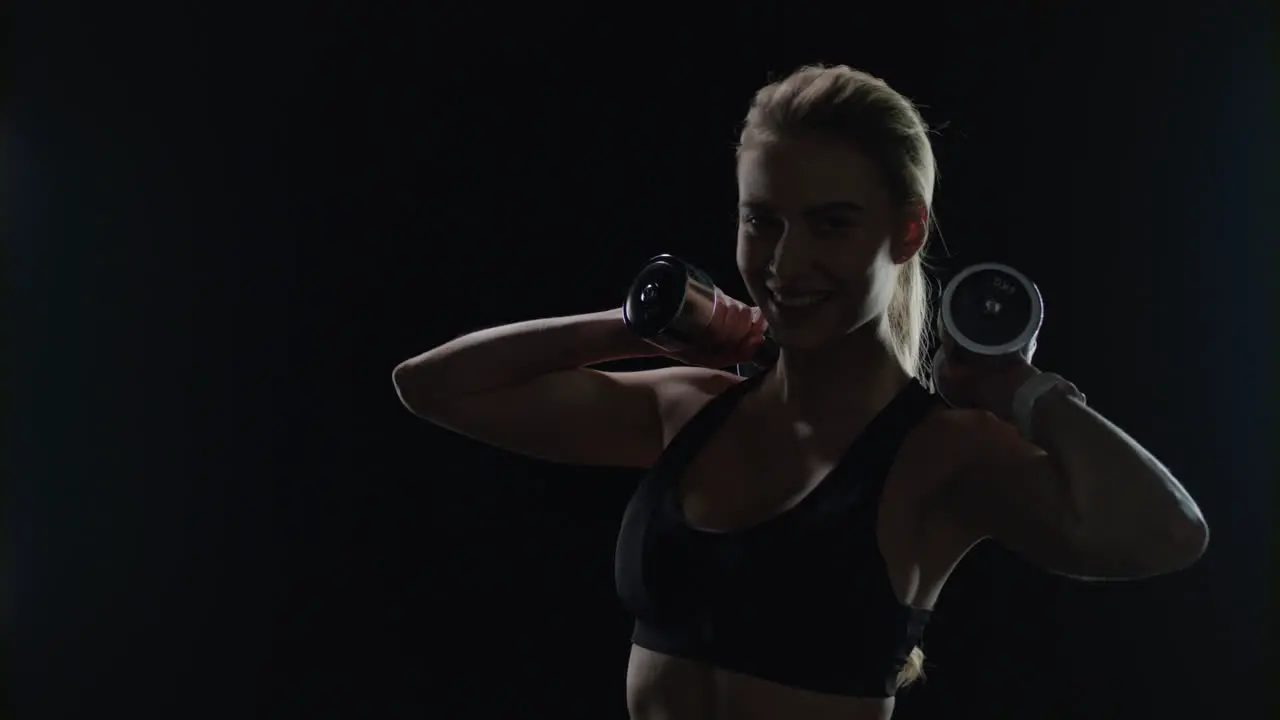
{"x":509,"y":354}
{"x":1131,"y":506}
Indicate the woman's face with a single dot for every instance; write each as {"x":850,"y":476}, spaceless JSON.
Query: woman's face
{"x":817,"y":238}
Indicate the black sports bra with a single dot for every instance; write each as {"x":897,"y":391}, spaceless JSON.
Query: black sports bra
{"x":803,"y":599}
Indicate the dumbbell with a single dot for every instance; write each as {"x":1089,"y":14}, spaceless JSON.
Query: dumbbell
{"x":670,"y":303}
{"x":992,"y":310}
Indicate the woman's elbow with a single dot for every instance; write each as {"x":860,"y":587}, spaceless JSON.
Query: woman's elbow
{"x":407,"y":380}
{"x":1188,"y":539}
{"x":1171,"y":547}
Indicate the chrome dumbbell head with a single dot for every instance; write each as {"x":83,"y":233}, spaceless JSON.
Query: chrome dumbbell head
{"x":669,"y":303}
{"x":992,"y":309}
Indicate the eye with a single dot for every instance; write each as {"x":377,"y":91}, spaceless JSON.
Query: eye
{"x":760,"y":222}
{"x":836,"y":223}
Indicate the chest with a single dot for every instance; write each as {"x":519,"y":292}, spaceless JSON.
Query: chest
{"x":826,"y":514}
{"x":747,"y":512}
{"x":751,"y":472}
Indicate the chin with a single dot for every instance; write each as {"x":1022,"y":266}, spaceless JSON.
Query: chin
{"x":802,"y":338}
{"x":811,"y":334}
{"x":830,"y":326}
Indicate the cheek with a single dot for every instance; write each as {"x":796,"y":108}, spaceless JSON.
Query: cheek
{"x":866,"y":271}
{"x":858,"y":259}
{"x":752,"y":255}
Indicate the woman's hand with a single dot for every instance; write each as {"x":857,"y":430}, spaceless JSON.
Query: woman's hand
{"x":969,"y":380}
{"x":735,"y":332}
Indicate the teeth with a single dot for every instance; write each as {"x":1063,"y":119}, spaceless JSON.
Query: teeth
{"x":798,"y":300}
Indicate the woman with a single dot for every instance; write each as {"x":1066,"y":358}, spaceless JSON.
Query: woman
{"x":795,"y":529}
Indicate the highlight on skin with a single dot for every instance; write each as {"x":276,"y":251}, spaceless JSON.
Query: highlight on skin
{"x":841,"y":103}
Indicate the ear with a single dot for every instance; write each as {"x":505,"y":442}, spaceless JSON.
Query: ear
{"x":913,"y":237}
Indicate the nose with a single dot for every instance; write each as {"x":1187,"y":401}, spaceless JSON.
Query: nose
{"x":792,"y":254}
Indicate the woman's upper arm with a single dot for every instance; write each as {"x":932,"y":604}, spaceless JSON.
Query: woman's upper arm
{"x":582,"y":416}
{"x":1008,"y":490}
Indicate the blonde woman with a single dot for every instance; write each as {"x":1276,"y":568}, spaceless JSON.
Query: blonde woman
{"x":795,"y":529}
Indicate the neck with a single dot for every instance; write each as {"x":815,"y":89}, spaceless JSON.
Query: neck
{"x":858,"y":373}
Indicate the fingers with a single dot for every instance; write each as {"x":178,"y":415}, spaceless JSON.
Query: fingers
{"x":945,"y":340}
{"x":722,"y":319}
{"x":758,"y":323}
{"x":737,"y":330}
{"x":941,"y":368}
{"x":733,"y":323}
{"x":746,"y":348}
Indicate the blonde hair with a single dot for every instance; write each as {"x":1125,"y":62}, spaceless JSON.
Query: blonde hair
{"x":842,"y":103}
{"x":850,"y":105}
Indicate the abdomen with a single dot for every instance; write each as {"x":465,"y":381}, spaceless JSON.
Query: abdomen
{"x":664,"y":687}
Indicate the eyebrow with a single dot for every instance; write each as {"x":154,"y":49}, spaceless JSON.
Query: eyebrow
{"x":835,"y":206}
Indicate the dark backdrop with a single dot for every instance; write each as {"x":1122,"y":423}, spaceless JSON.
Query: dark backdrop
{"x":231,"y":223}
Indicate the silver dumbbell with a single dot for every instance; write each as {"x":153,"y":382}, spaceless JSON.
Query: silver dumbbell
{"x":991,"y":309}
{"x":670,"y":303}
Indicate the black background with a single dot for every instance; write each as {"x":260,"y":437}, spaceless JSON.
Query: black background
{"x":231,"y":223}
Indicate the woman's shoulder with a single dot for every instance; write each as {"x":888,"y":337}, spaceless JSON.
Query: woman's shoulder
{"x":685,"y":390}
{"x":955,"y":431}
{"x":946,"y":443}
